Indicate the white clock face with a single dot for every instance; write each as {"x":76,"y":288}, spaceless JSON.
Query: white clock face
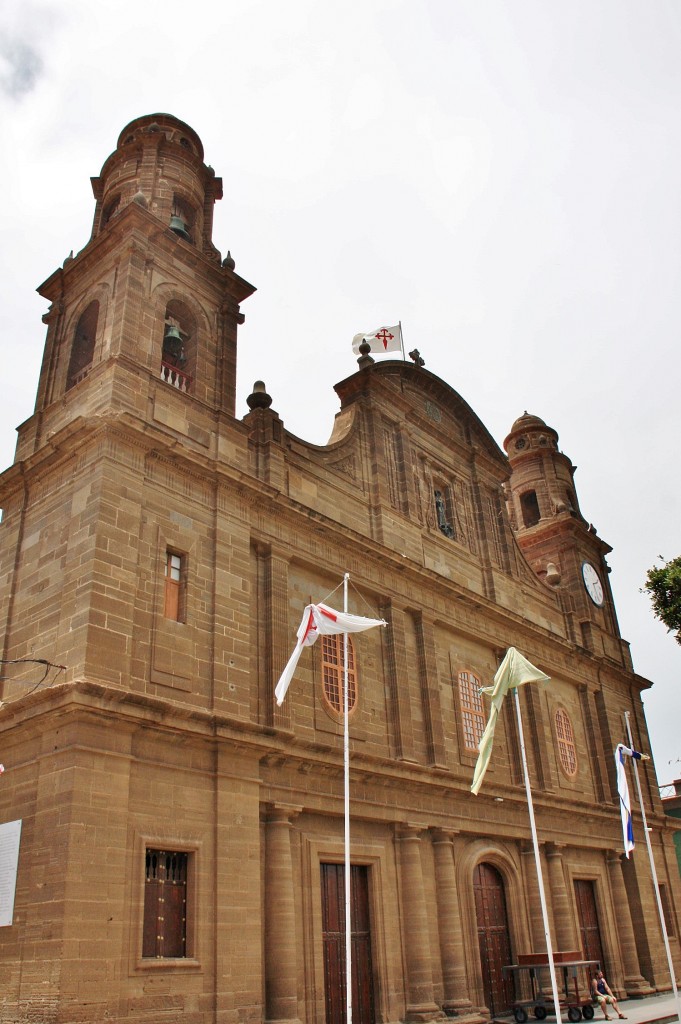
{"x":592,"y":582}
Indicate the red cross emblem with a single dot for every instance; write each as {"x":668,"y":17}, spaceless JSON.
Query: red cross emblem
{"x":384,"y":336}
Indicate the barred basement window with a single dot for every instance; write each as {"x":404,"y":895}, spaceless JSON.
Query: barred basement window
{"x":472,"y":710}
{"x":175,"y":587}
{"x":333,"y":672}
{"x":165,"y":905}
{"x":567,"y":752}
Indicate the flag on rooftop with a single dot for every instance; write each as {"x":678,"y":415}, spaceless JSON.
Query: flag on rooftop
{"x":515,"y":670}
{"x":623,"y":790}
{"x":383,"y":339}
{"x":320,"y":619}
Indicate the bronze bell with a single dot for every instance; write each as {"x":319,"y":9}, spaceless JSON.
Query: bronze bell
{"x":173,"y":349}
{"x":179,"y":227}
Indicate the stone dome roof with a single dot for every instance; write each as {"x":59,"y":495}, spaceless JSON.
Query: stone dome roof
{"x":526,"y":421}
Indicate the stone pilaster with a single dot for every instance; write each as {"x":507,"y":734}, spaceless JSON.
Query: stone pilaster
{"x":277,"y":635}
{"x":537,"y":937}
{"x":452,"y":954}
{"x":634,"y":981}
{"x":430,"y":690}
{"x":421,"y":1005}
{"x":281,"y":982}
{"x":397,"y":671}
{"x":565,"y":932}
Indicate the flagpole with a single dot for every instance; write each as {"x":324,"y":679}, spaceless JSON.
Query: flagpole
{"x":535,"y":844}
{"x":404,"y":358}
{"x":346,"y":782}
{"x":652,"y":870}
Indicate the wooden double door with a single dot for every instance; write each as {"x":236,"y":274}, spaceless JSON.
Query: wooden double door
{"x":333,"y":929}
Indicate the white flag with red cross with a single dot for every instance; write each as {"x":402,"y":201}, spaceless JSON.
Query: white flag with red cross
{"x":320,"y":619}
{"x":383,"y":339}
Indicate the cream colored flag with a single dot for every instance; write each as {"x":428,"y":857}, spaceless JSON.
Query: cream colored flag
{"x":515,"y":670}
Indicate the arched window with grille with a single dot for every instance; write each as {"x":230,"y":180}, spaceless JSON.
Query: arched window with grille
{"x":472,"y":710}
{"x":333,"y":673}
{"x":567,"y":751}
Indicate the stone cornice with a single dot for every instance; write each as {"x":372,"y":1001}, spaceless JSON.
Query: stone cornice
{"x":381,"y":785}
{"x":137,"y":229}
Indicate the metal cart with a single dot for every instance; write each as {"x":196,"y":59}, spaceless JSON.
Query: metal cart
{"x":532,"y":986}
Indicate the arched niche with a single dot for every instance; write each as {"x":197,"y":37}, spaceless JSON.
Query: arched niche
{"x":83,"y":345}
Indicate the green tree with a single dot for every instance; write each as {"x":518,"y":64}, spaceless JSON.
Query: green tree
{"x":664,"y":586}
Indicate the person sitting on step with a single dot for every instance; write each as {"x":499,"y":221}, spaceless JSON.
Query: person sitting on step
{"x":603,"y":993}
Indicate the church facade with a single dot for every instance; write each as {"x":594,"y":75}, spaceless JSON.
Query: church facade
{"x":181,"y":852}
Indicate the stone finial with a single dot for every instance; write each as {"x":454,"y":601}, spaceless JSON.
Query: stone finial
{"x":416,"y":356}
{"x":228,"y":261}
{"x":259,"y":399}
{"x":364,"y":358}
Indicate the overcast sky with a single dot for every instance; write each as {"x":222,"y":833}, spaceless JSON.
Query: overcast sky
{"x":502,"y":177}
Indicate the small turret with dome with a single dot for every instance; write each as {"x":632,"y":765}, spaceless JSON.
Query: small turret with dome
{"x":561,"y":546}
{"x":158,"y":163}
{"x":542,"y":476}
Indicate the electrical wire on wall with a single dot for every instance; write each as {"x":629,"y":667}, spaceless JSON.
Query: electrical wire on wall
{"x":48,"y":666}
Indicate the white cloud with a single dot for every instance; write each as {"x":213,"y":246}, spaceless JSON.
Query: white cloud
{"x":501,"y":177}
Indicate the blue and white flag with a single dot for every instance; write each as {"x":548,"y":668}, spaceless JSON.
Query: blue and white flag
{"x":623,"y":790}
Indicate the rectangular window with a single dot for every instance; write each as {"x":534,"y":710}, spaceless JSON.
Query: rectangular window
{"x":174,"y":600}
{"x":165,"y":905}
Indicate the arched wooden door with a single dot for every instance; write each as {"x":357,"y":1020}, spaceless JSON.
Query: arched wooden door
{"x":333,"y":928}
{"x":589,"y":927}
{"x":493,"y":937}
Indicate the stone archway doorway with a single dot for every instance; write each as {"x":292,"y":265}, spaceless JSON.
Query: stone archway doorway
{"x":493,"y":937}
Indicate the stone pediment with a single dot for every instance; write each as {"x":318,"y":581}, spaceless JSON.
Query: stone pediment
{"x":413,"y":395}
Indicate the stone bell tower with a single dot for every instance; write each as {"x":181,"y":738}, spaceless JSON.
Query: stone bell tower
{"x":148,"y":300}
{"x":562,"y":547}
{"x":134,"y":412}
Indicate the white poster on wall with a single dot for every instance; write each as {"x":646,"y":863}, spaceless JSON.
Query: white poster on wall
{"x":10,"y":834}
